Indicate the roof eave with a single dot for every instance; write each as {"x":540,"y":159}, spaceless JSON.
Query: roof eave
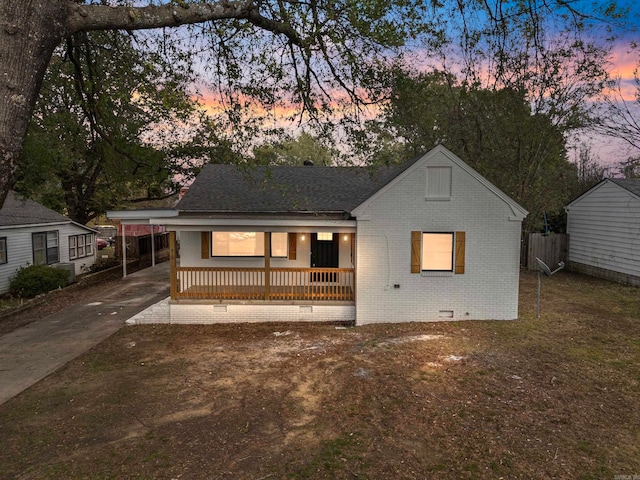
{"x":35,"y":225}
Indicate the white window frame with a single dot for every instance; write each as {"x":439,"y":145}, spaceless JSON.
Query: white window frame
{"x":4,"y":257}
{"x":80,"y":246}
{"x":51,"y":246}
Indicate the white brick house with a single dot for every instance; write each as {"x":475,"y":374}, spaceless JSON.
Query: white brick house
{"x":428,"y":240}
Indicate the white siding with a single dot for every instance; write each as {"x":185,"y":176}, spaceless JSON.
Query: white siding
{"x":489,"y":287}
{"x":20,"y":253}
{"x":604,"y":229}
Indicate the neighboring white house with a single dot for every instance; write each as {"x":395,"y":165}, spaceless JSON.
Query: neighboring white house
{"x":428,"y":240}
{"x":604,"y":231}
{"x":31,"y":233}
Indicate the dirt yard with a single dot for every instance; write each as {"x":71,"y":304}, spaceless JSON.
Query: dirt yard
{"x":556,"y":397}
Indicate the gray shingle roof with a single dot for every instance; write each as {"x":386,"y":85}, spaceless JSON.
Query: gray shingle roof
{"x":283,"y":189}
{"x":21,"y":211}
{"x":631,"y":184}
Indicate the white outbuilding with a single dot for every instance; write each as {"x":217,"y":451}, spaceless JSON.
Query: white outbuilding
{"x":604,"y":231}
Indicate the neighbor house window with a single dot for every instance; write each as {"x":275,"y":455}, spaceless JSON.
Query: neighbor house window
{"x":3,"y":250}
{"x":438,"y":252}
{"x":247,"y":244}
{"x":45,"y":248}
{"x":80,"y":246}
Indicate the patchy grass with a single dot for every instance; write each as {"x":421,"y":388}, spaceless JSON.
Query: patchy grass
{"x":8,"y":303}
{"x":554,"y":397}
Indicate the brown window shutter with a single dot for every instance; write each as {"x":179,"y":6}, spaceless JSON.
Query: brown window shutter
{"x":293,"y":244}
{"x":416,"y":241}
{"x":460,"y":247}
{"x":353,"y":249}
{"x":204,"y":244}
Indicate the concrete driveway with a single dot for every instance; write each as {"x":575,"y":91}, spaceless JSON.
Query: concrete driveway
{"x":32,"y":352}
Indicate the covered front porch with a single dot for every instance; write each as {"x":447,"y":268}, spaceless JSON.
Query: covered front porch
{"x":297,"y":273}
{"x":296,"y":284}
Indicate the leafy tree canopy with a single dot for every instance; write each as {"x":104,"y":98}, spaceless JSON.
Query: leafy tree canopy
{"x":296,"y":151}
{"x":110,"y":126}
{"x":259,"y":56}
{"x":494,"y":131}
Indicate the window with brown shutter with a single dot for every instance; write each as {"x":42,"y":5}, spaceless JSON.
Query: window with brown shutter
{"x":438,"y":252}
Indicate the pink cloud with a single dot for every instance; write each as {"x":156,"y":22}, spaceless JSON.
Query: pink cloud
{"x":625,"y":62}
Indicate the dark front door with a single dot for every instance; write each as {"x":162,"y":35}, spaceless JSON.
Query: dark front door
{"x":324,"y":254}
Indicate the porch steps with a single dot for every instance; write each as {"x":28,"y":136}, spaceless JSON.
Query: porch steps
{"x":156,"y":313}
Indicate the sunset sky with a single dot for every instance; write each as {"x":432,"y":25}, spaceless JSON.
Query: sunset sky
{"x":624,"y":61}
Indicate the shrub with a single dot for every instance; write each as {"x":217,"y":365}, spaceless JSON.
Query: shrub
{"x":104,"y":264}
{"x":33,"y":280}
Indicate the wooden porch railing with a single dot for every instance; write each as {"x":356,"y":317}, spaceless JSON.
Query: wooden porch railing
{"x":228,"y":283}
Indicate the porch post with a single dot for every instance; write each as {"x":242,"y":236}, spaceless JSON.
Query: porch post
{"x":354,"y":264}
{"x":267,"y":265}
{"x":124,"y":250}
{"x":172,"y":265}
{"x":153,"y":248}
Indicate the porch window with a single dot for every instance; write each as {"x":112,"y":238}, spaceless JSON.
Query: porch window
{"x":438,"y":252}
{"x":3,"y":250}
{"x":247,"y":244}
{"x":45,"y":248}
{"x":279,"y":244}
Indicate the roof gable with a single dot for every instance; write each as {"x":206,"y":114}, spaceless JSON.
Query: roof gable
{"x":518,"y":211}
{"x":18,"y":211}
{"x":630,"y":185}
{"x":226,"y":189}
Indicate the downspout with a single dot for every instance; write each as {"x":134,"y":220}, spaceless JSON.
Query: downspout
{"x":388,"y":249}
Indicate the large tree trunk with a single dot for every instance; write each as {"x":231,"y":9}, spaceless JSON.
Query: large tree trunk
{"x":29,"y":32}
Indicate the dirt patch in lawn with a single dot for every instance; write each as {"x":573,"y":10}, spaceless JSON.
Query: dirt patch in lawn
{"x":554,"y":397}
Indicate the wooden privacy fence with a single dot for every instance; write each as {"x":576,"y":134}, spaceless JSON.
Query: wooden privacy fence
{"x":551,"y":248}
{"x":228,"y":283}
{"x":141,"y":245}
